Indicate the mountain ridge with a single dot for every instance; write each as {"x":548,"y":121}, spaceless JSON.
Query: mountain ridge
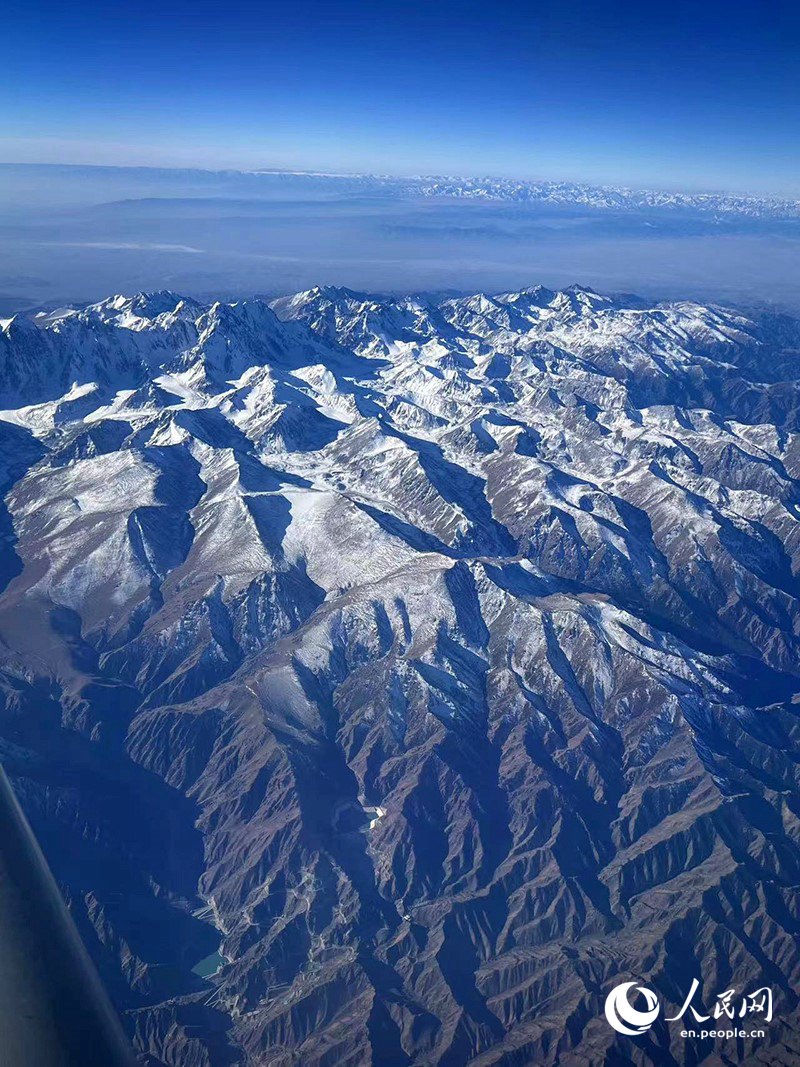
{"x":434,"y":660}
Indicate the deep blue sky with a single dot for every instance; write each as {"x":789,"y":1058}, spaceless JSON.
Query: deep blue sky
{"x":703,"y":95}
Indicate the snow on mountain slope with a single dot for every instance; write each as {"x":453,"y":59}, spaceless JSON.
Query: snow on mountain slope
{"x":437,"y":661}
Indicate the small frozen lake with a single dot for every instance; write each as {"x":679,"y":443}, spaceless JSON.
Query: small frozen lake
{"x":209,"y":966}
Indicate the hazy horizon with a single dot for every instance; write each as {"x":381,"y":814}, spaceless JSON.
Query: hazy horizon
{"x":322,"y":171}
{"x":77,"y":234}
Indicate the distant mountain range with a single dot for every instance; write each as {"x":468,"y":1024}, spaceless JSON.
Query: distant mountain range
{"x":46,"y":185}
{"x":566,"y":194}
{"x":389,"y":679}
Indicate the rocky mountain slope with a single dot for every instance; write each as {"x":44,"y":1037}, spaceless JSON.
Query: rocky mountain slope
{"x":430,"y":667}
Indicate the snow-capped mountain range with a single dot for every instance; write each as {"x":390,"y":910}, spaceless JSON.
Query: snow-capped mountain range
{"x":561,"y":194}
{"x":434,"y":662}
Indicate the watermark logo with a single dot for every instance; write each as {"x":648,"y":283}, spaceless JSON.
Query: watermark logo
{"x":635,"y":1021}
{"x":624,"y":1017}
